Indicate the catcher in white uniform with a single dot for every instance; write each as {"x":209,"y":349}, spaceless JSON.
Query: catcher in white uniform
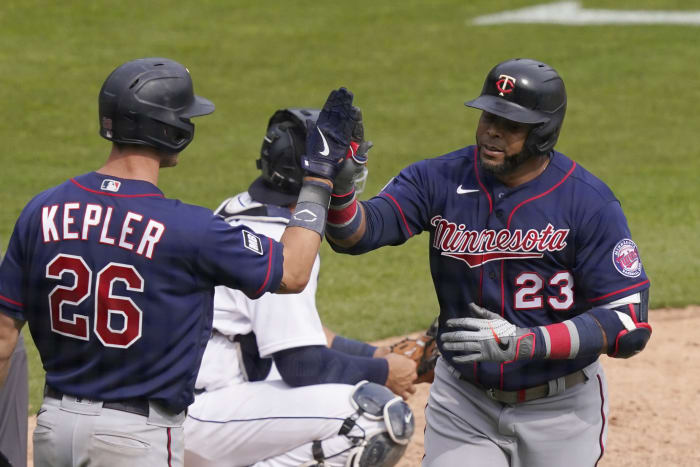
{"x":275,"y":387}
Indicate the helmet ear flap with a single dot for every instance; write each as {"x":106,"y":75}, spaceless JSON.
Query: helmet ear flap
{"x":540,"y":140}
{"x":543,"y":137}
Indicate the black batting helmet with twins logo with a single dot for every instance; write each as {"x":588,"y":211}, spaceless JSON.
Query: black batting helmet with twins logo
{"x":526,"y":91}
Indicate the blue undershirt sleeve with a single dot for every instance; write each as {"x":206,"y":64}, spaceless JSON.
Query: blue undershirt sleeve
{"x":317,"y":364}
{"x":352,"y":347}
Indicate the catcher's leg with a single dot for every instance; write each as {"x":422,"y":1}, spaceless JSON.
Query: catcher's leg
{"x":273,"y":424}
{"x":375,"y":434}
{"x":244,"y":423}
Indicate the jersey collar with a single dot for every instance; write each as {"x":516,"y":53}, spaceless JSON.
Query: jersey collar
{"x":108,"y":185}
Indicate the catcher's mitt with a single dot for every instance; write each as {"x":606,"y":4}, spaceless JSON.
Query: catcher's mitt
{"x":422,"y":350}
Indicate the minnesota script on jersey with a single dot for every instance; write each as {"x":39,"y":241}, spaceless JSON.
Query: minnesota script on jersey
{"x":117,"y":283}
{"x":540,"y":253}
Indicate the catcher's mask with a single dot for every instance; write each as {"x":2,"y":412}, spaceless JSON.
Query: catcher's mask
{"x":280,"y":157}
{"x":526,"y":91}
{"x":150,"y":101}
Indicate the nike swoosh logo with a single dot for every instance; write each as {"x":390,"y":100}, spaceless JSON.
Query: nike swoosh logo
{"x":501,"y":345}
{"x":495,"y":336}
{"x":325,"y":151}
{"x":461,"y":191}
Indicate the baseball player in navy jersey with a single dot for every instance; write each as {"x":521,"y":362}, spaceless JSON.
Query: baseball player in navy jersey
{"x":117,"y":281}
{"x":536,"y":276}
{"x":276,"y":388}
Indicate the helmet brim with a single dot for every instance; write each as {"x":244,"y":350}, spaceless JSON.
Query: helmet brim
{"x":262,"y":192}
{"x":200,"y":106}
{"x":506,"y":109}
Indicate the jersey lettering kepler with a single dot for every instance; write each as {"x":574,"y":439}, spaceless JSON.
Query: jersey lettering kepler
{"x":100,"y":254}
{"x":535,"y":259}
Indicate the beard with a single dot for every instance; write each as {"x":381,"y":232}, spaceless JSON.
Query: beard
{"x":509,"y":164}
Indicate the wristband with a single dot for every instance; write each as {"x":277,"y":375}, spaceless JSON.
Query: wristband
{"x":344,"y":223}
{"x":342,"y":201}
{"x":312,"y":207}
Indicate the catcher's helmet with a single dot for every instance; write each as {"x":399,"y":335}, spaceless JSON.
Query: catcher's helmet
{"x":150,"y":101}
{"x":526,"y":91}
{"x":280,"y":157}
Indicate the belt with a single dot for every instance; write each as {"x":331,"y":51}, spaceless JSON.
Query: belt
{"x":550,"y":388}
{"x":136,"y":406}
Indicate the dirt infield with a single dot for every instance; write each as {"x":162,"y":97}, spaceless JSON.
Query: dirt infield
{"x":654,"y":399}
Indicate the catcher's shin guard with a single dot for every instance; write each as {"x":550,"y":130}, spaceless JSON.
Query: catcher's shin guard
{"x":379,"y":451}
{"x":382,"y":449}
{"x":384,"y":443}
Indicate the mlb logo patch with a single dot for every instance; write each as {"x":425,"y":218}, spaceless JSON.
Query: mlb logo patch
{"x":625,"y":257}
{"x":252,"y":242}
{"x":110,"y":185}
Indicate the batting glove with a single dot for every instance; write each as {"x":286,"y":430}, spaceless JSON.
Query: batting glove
{"x":488,"y":338}
{"x":353,"y":171}
{"x":328,"y":140}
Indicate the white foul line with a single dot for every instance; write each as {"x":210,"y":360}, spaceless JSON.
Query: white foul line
{"x":572,"y":14}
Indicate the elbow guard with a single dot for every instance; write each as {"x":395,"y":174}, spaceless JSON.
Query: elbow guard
{"x":631,"y":342}
{"x":624,"y":324}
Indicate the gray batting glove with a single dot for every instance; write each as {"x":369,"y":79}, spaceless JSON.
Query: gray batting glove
{"x":353,"y":171}
{"x":487,"y":338}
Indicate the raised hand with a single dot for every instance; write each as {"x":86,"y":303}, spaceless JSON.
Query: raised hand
{"x":328,"y":140}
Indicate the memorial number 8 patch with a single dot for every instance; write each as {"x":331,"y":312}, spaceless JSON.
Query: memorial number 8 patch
{"x":252,"y":242}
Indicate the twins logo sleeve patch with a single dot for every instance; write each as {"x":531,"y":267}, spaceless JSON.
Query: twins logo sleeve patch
{"x":625,"y":257}
{"x":252,"y":242}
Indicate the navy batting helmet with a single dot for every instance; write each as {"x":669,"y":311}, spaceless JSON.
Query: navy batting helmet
{"x":526,"y":91}
{"x":280,"y":157}
{"x":150,"y":101}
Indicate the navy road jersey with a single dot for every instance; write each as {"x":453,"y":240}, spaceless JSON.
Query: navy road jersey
{"x":540,"y":253}
{"x":117,"y":284}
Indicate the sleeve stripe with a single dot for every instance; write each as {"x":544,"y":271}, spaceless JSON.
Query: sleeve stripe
{"x":9,"y":300}
{"x":630,"y":299}
{"x":269,"y":268}
{"x":403,"y":217}
{"x":560,"y":340}
{"x":575,"y":341}
{"x":619,"y":291}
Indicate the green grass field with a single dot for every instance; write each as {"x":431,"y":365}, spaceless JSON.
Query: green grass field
{"x":632,"y":118}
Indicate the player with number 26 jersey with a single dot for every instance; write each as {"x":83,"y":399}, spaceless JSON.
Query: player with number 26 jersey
{"x":97,"y":330}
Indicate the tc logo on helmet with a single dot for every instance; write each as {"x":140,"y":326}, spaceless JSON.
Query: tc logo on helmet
{"x":505,"y":84}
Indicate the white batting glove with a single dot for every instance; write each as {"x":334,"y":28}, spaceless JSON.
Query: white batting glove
{"x":487,"y":338}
